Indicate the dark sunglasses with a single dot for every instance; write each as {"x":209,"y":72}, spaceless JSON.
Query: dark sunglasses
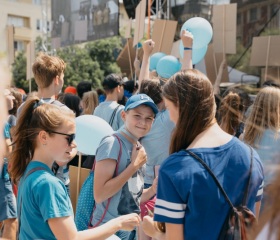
{"x":70,"y":137}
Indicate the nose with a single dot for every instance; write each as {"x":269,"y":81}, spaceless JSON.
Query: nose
{"x":73,"y":144}
{"x":142,"y":121}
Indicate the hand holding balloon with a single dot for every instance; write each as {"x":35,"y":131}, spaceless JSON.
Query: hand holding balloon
{"x":187,"y":39}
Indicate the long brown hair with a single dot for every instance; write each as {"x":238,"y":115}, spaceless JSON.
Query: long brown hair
{"x":34,"y":117}
{"x":192,"y":92}
{"x":90,"y":102}
{"x":265,"y":114}
{"x":231,"y":112}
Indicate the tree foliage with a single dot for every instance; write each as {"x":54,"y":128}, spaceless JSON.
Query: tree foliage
{"x":102,"y":51}
{"x":90,"y":62}
{"x":80,"y":67}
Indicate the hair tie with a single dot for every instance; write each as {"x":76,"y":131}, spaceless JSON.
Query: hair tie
{"x":38,"y":103}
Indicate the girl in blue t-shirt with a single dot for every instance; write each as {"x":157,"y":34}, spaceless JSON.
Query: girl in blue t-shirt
{"x":44,"y":133}
{"x":189,"y":202}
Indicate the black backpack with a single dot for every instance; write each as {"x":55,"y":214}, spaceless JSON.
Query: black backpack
{"x":239,"y":219}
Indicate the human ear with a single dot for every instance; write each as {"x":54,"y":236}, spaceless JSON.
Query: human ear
{"x":43,"y":137}
{"x":123,"y":115}
{"x":56,"y":80}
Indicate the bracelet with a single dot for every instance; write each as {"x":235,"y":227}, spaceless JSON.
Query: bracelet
{"x":187,"y":48}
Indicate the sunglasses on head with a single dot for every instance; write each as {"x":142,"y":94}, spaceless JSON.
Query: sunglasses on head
{"x":70,"y":137}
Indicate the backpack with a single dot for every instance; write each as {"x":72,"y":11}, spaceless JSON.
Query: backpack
{"x":86,"y":204}
{"x":240,"y":218}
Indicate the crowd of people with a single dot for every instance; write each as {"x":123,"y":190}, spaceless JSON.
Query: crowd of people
{"x":148,"y":183}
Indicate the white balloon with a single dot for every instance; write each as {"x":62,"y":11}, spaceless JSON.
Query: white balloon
{"x":89,"y":132}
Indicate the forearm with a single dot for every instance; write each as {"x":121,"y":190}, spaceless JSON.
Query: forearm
{"x":113,"y":185}
{"x":102,"y":232}
{"x":144,"y":72}
{"x":187,"y":60}
{"x":147,"y":194}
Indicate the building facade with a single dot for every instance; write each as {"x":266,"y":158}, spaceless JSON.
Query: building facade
{"x":252,"y":15}
{"x":26,"y":17}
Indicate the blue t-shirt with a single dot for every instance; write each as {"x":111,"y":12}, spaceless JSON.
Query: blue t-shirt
{"x":188,"y":195}
{"x":7,"y":129}
{"x":43,"y":196}
{"x":156,"y":143}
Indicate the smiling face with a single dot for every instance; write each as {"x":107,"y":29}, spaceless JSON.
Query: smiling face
{"x":138,"y":121}
{"x":58,"y":144}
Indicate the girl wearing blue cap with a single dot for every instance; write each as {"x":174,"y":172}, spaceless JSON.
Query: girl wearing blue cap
{"x":118,"y":178}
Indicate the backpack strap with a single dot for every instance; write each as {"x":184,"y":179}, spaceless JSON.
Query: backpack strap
{"x":113,"y":115}
{"x":217,"y":181}
{"x":109,"y":200}
{"x":20,"y":204}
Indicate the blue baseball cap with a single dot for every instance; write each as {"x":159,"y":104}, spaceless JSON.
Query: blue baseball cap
{"x":140,"y":99}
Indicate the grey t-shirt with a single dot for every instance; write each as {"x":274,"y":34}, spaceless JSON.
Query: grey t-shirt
{"x":105,"y":110}
{"x":156,"y":143}
{"x":127,"y":199}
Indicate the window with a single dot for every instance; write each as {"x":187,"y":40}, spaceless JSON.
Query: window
{"x":253,"y":14}
{"x":37,"y":2}
{"x":239,"y":18}
{"x":18,"y":21}
{"x":39,"y":25}
{"x":19,"y":46}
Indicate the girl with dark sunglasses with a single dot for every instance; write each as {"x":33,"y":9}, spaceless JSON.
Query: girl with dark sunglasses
{"x":45,"y":133}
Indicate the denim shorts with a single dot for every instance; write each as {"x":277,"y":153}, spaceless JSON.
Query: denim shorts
{"x":7,"y":198}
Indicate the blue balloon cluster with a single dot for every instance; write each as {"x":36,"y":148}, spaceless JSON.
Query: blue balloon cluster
{"x":154,"y":60}
{"x":201,"y":30}
{"x":202,"y":33}
{"x":197,"y":53}
{"x":168,"y":66}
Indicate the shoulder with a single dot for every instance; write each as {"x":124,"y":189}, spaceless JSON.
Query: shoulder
{"x":109,"y":147}
{"x":176,"y":162}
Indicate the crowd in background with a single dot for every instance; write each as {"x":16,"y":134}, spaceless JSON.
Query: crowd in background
{"x":147,"y":181}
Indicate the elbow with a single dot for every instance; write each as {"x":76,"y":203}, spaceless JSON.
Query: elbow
{"x":99,"y":197}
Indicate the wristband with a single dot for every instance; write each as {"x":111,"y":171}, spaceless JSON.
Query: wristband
{"x":187,"y":48}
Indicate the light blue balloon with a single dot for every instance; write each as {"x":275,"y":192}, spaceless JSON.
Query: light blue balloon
{"x":154,"y":60}
{"x":89,"y":132}
{"x":201,"y":30}
{"x":168,"y":66}
{"x":197,"y":53}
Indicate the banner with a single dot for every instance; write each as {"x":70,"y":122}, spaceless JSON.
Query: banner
{"x":78,"y":21}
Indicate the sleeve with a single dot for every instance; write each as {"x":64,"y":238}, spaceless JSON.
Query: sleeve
{"x":53,"y":199}
{"x":259,"y":177}
{"x":7,"y":134}
{"x":260,"y":193}
{"x":109,"y":147}
{"x":169,"y":207}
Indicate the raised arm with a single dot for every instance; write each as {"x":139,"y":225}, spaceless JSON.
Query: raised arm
{"x":187,"y":40}
{"x":148,"y":47}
